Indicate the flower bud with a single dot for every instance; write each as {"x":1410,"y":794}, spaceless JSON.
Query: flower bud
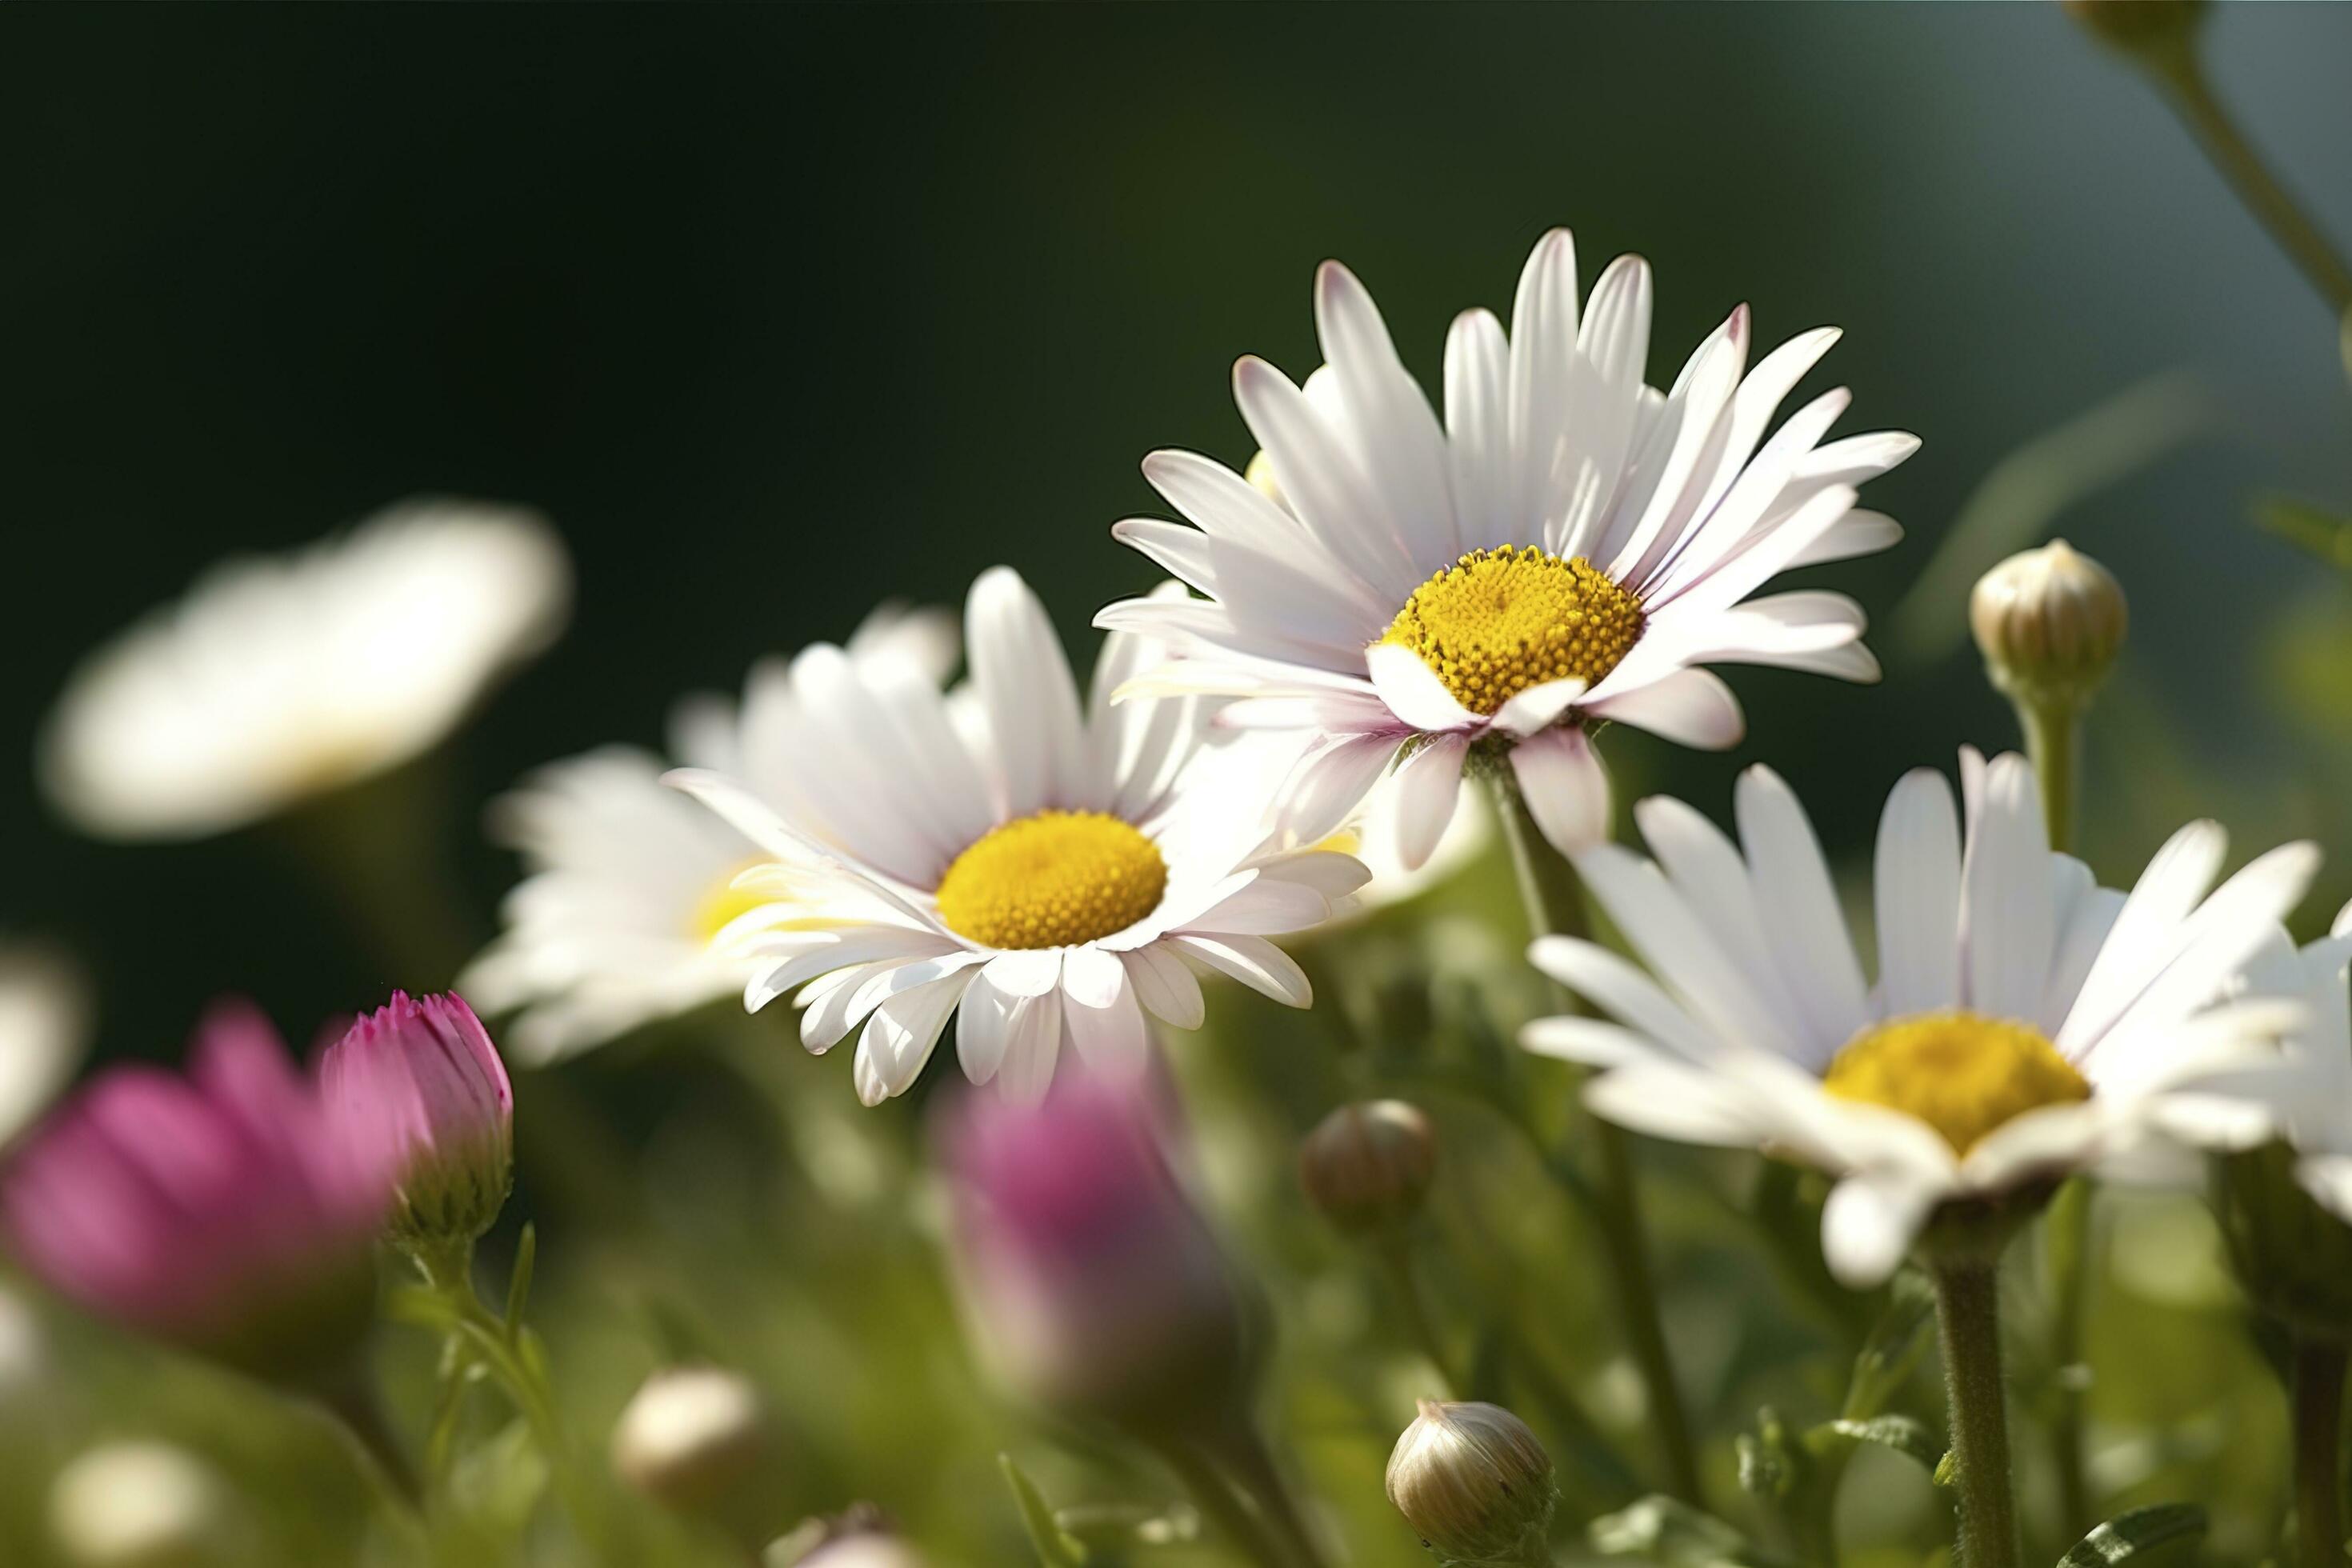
{"x":690,"y":1437}
{"x":1089,"y":1280}
{"x":1367,"y":1166}
{"x":860,"y":1538}
{"x":418,"y":1085}
{"x":139,"y":1505}
{"x":2294,"y":1257}
{"x":223,"y":1212}
{"x":1474,"y":1484}
{"x":2049,"y":623}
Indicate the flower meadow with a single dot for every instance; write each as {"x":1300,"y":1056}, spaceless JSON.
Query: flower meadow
{"x":1268,"y":1084}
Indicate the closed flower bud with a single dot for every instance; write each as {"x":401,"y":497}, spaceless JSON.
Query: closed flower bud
{"x":222,"y":1212}
{"x":2050,"y":623}
{"x":692,"y":1438}
{"x":140,"y":1505}
{"x":1474,"y":1484}
{"x":1367,"y":1166}
{"x":418,"y":1085}
{"x":1090,"y":1282}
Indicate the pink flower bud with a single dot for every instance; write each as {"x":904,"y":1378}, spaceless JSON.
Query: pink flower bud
{"x":220,"y":1212}
{"x":1091,"y":1280}
{"x":418,"y":1086}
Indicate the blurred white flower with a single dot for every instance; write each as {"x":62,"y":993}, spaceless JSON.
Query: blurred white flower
{"x":627,"y":880}
{"x":1571,"y":546}
{"x":24,"y":1348}
{"x":2026,"y":1023}
{"x":282,"y":676}
{"x":1054,"y":868}
{"x":689,"y":1436}
{"x":140,"y":1505}
{"x":44,"y":1030}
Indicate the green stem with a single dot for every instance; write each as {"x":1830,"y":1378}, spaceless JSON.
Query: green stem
{"x":2054,"y":743}
{"x":1227,"y":1510}
{"x":1255,"y":1465}
{"x":2271,"y":203}
{"x":1968,"y":1312}
{"x":2317,"y":1397}
{"x":2070,"y":1244}
{"x":1555,"y":905}
{"x":1394,"y":1255}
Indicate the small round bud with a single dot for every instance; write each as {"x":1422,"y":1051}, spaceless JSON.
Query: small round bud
{"x":1367,"y":1166}
{"x":139,"y":1505}
{"x":1474,"y":1484}
{"x":690,"y":1437}
{"x":2049,"y":623}
{"x":2145,"y":27}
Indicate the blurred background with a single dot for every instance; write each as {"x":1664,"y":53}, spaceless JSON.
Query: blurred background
{"x":776,"y":311}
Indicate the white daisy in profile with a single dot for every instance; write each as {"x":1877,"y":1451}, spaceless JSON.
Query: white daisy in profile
{"x":626,"y":880}
{"x":1571,"y":546}
{"x":282,"y":676}
{"x":43,"y":1031}
{"x":1045,"y":868}
{"x":2025,"y":1023}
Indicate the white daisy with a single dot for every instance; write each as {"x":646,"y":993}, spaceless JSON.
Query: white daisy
{"x":627,"y":880}
{"x":2026,"y":1023}
{"x":1571,"y":546}
{"x":1058,"y":869}
{"x":283,"y":677}
{"x":44,"y":1030}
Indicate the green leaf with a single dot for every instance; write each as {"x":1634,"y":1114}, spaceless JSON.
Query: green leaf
{"x":500,"y":1483}
{"x":519,"y":1282}
{"x":1901,"y":1433}
{"x":2128,"y":1535}
{"x":1053,"y":1549}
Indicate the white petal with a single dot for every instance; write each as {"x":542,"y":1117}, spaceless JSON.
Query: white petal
{"x":1024,"y":683}
{"x":1690,"y":707}
{"x":1165,"y":985}
{"x":1252,"y":960}
{"x":1622,"y":990}
{"x":1413,"y":691}
{"x":1427,"y":787}
{"x":1033,"y":1047}
{"x":2007,"y":918}
{"x":1029,"y":972}
{"x":1917,"y":893}
{"x":1099,"y":1008}
{"x":899,"y":1037}
{"x":1565,"y":787}
{"x":1867,"y":1226}
{"x":1535,"y":708}
{"x":1807,"y":929}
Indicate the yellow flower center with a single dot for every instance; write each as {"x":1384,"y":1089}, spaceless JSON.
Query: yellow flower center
{"x":1499,"y":621}
{"x":1962,"y":1074}
{"x":723,"y":901}
{"x":1054,"y":880}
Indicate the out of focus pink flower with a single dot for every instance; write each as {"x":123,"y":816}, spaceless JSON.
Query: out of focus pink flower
{"x":1093,"y":1283}
{"x":220,"y":1212}
{"x":417,"y":1087}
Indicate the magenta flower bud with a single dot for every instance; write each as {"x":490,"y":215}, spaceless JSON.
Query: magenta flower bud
{"x":220,"y":1212}
{"x":1091,"y":1280}
{"x":418,"y":1086}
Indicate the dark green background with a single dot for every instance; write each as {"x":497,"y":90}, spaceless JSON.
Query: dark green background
{"x":779,"y":311}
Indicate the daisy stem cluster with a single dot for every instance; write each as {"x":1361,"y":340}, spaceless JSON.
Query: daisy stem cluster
{"x":1555,"y":907}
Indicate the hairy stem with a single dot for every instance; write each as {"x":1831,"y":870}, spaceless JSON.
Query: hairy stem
{"x":1968,"y":1312}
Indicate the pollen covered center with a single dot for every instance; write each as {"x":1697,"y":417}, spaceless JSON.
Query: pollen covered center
{"x":1054,"y":880}
{"x":1499,"y":621}
{"x":1963,"y":1074}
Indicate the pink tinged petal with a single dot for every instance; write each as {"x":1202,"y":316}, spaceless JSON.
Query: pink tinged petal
{"x":1427,"y":788}
{"x":1565,"y":787}
{"x":1325,"y":481}
{"x":1413,"y":693}
{"x":2007,"y":918}
{"x":1690,"y":707}
{"x":1331,"y":780}
{"x":1252,"y":960}
{"x":1808,"y":931}
{"x":1613,"y":349}
{"x":1640,"y":539}
{"x":1164,"y":986}
{"x":899,"y":1037}
{"x":1917,"y":893}
{"x":1183,"y":552}
{"x":1537,"y":707}
{"x":1762,"y":557}
{"x":1868,"y":1225}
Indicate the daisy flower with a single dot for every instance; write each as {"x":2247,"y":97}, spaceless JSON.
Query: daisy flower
{"x":1569,"y":546}
{"x":2025,"y":1023}
{"x":1045,"y":868}
{"x":627,"y":880}
{"x":283,"y":677}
